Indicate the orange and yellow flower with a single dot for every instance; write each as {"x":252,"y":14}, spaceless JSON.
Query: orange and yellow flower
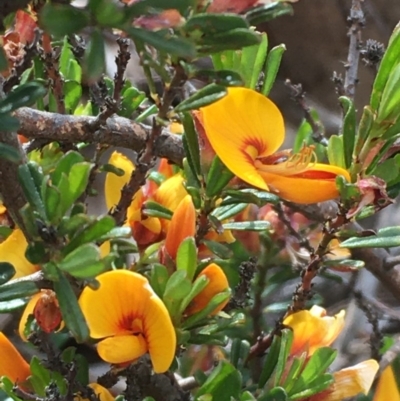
{"x":12,"y":364}
{"x":314,"y":329}
{"x":217,"y":284}
{"x":130,"y":319}
{"x":246,"y":129}
{"x":387,"y":388}
{"x":12,"y":250}
{"x":183,"y":225}
{"x":145,"y":230}
{"x":350,"y":382}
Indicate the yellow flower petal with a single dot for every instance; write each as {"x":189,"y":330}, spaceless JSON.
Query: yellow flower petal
{"x":30,"y":306}
{"x":125,"y":304}
{"x":242,"y":126}
{"x":171,"y":192}
{"x":105,"y":248}
{"x":113,"y":183}
{"x":352,"y":381}
{"x":12,"y":250}
{"x":120,"y":349}
{"x":12,"y":364}
{"x":312,"y":329}
{"x":387,"y":387}
{"x":102,"y":393}
{"x":315,"y":185}
{"x":217,"y":283}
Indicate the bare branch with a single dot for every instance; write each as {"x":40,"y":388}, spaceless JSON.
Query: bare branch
{"x":117,"y":131}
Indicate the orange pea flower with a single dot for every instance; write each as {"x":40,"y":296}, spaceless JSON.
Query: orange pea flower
{"x":183,"y":225}
{"x":246,"y":129}
{"x":130,"y":319}
{"x":12,"y":364}
{"x":313,"y":329}
{"x":387,"y":388}
{"x":350,"y":382}
{"x":145,"y":230}
{"x":217,"y":283}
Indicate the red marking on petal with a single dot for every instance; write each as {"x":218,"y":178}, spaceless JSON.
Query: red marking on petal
{"x":316,"y":175}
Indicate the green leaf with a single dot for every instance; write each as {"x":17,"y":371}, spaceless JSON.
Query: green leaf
{"x":230,"y":40}
{"x":8,"y":152}
{"x":271,"y":68}
{"x":82,"y":262}
{"x":63,"y":19}
{"x":164,"y":42}
{"x":36,"y":253}
{"x":65,"y":164}
{"x":41,"y":376}
{"x":72,"y":95}
{"x":78,"y":180}
{"x":226,"y":212}
{"x":284,"y":351}
{"x":218,"y":177}
{"x":320,"y":384}
{"x":23,"y":95}
{"x":94,"y":63}
{"x":186,"y":258}
{"x":131,"y":100}
{"x":7,"y":272}
{"x":158,"y":278}
{"x":142,"y":7}
{"x":94,"y":231}
{"x":270,"y":361}
{"x":348,"y":129}
{"x":52,"y":201}
{"x":267,"y":12}
{"x":205,"y":96}
{"x":389,"y":61}
{"x":154,"y":209}
{"x":211,"y":24}
{"x":178,"y":286}
{"x":292,"y":377}
{"x":16,"y":290}
{"x":219,"y":77}
{"x":215,"y":301}
{"x":335,"y":151}
{"x":259,"y":198}
{"x":316,"y":366}
{"x":385,"y":238}
{"x":192,"y":142}
{"x":199,"y":284}
{"x":8,"y":123}
{"x":257,"y":225}
{"x":10,"y":306}
{"x":70,"y":310}
{"x":275,"y":394}
{"x":223,"y":383}
{"x":218,"y":249}
{"x":28,"y":174}
{"x":252,"y":61}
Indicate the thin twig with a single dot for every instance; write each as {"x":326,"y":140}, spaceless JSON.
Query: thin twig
{"x":147,"y":156}
{"x":376,"y":335}
{"x":298,"y":95}
{"x":302,"y":239}
{"x":357,"y":21}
